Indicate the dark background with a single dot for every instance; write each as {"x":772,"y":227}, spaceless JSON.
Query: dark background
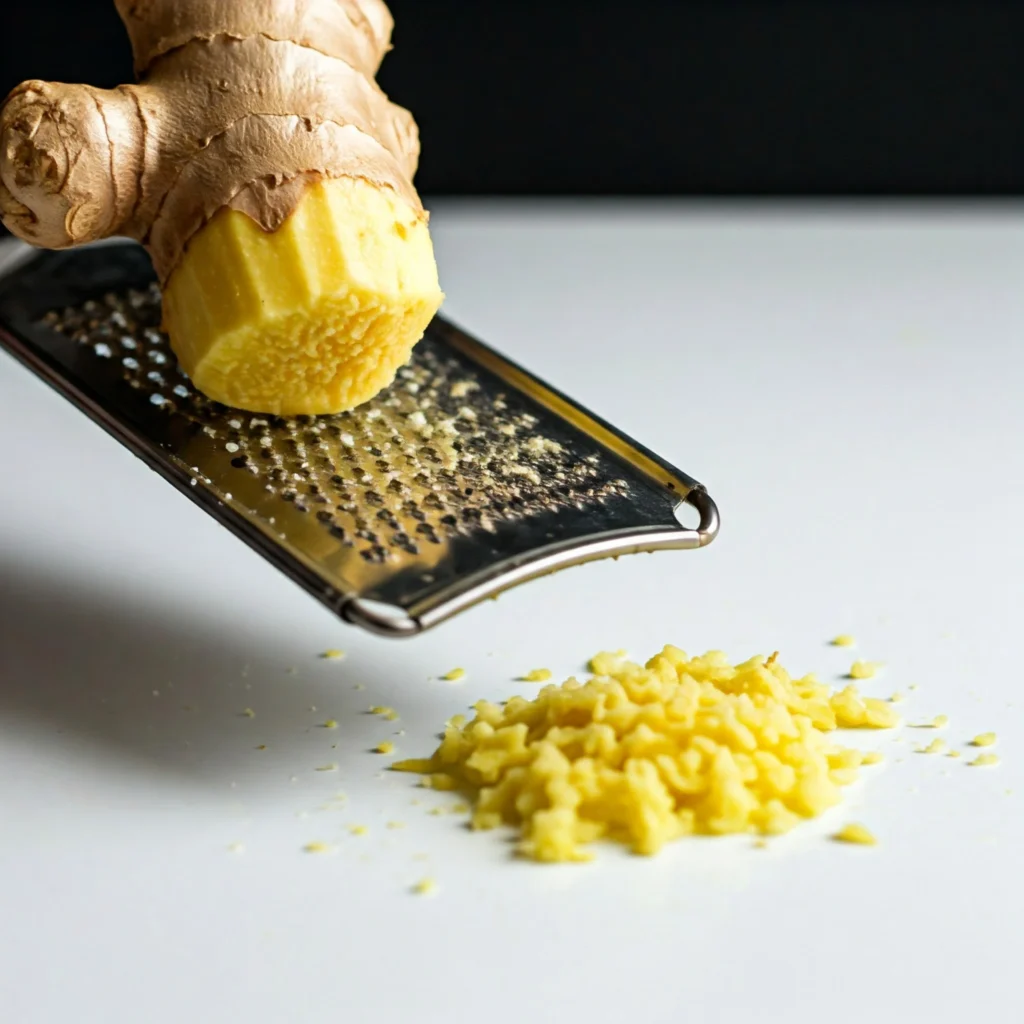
{"x":692,"y":97}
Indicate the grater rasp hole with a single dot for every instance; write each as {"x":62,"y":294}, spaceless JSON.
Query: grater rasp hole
{"x":439,"y":453}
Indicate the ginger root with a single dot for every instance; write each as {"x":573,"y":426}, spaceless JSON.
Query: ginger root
{"x":248,"y":114}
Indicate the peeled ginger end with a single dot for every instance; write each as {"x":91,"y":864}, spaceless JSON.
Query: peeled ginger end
{"x":644,"y":754}
{"x":313,"y":318}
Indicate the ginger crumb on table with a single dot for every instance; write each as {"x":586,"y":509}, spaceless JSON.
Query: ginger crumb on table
{"x":331,"y":723}
{"x":606,"y":663}
{"x":853,"y":711}
{"x":984,"y":739}
{"x":454,"y":675}
{"x":937,"y":746}
{"x":387,"y":747}
{"x":857,"y":834}
{"x":985,"y":761}
{"x":248,"y":713}
{"x":317,"y":848}
{"x":425,"y":887}
{"x":864,"y":669}
{"x":938,"y":722}
{"x":332,"y":654}
{"x":415,"y":765}
{"x":442,"y":782}
{"x":536,"y":675}
{"x":359,"y":830}
{"x":332,"y":767}
{"x":844,"y":640}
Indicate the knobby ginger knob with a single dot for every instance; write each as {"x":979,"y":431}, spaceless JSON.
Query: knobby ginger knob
{"x":270,"y":180}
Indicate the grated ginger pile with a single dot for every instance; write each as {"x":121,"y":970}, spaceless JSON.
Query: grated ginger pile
{"x":644,"y":754}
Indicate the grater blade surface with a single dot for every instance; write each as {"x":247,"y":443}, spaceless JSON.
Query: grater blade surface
{"x":467,"y":476}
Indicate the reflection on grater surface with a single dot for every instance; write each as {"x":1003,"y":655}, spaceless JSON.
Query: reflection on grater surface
{"x":434,"y":456}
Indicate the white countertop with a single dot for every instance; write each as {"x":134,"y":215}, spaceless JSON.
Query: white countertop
{"x":847,"y":383}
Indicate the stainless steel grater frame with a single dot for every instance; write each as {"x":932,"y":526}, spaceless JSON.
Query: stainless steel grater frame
{"x":467,"y":477}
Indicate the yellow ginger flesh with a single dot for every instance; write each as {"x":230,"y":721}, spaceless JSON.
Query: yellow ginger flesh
{"x":857,"y":834}
{"x":315,"y":317}
{"x":645,"y":754}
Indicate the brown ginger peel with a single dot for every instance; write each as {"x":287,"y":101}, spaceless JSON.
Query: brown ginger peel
{"x":239,"y":105}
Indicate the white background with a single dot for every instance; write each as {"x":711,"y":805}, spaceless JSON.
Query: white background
{"x":846,"y":382}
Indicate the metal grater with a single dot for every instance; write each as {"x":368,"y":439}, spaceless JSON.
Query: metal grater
{"x":464,"y":478}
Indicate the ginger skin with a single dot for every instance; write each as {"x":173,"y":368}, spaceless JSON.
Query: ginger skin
{"x":268,"y":177}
